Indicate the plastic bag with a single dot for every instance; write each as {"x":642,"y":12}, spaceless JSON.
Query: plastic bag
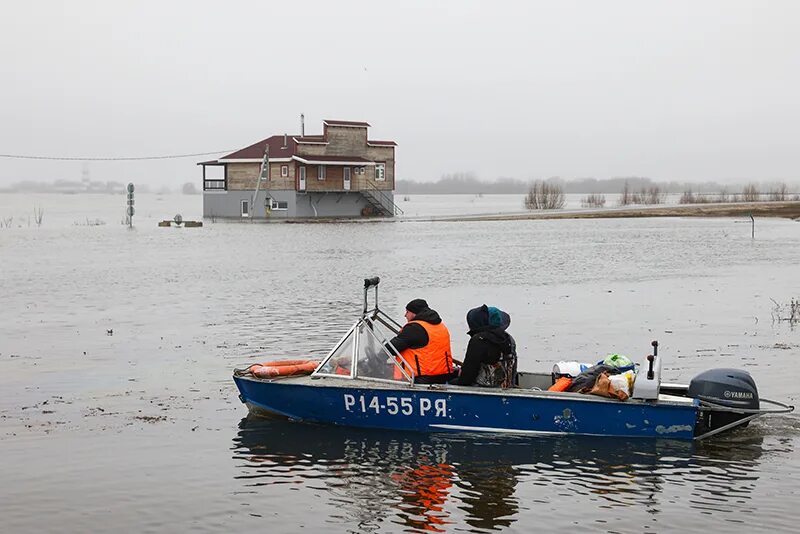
{"x":623,"y":382}
{"x":618,"y":361}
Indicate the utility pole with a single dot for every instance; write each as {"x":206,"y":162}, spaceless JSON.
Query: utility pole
{"x":262,"y":175}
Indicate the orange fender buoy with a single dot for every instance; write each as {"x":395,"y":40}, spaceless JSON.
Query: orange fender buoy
{"x":283,"y":363}
{"x":283,"y":368}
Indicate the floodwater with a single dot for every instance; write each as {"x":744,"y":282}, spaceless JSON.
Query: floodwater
{"x":117,"y":408}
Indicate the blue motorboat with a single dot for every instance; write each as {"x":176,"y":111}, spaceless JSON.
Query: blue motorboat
{"x":354,"y":386}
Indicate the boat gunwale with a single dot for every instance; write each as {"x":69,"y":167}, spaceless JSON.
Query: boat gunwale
{"x":666,"y":401}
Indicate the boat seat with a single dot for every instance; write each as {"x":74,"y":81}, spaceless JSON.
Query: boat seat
{"x":528,"y":380}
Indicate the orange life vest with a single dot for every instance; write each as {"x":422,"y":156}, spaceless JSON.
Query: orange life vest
{"x":435,"y":358}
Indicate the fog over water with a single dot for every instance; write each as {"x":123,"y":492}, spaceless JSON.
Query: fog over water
{"x":116,"y":350}
{"x":677,"y":90}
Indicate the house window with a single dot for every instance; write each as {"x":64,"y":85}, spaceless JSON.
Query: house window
{"x":321,"y":172}
{"x":280,"y":205}
{"x":380,"y":172}
{"x":284,"y":171}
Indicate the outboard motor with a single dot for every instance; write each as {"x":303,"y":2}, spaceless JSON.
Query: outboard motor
{"x":729,"y":388}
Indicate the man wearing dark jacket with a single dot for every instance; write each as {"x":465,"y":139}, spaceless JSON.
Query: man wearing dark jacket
{"x":424,"y":346}
{"x":488,"y":344}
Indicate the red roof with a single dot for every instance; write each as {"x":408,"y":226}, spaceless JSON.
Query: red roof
{"x":256,"y":150}
{"x":330,"y":122}
{"x":278,"y":150}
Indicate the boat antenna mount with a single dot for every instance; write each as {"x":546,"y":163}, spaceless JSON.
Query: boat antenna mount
{"x":368,"y":283}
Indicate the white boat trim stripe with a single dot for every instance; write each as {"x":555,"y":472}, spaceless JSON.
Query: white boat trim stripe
{"x":466,"y":428}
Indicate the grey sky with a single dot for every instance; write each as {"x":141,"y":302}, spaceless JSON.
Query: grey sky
{"x":683,"y":90}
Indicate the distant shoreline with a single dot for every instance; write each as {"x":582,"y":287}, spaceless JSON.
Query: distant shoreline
{"x":786,"y":209}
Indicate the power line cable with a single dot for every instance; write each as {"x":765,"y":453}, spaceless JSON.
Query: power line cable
{"x":125,"y":158}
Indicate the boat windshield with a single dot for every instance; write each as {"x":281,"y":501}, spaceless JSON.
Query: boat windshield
{"x":363,"y":353}
{"x":373,"y":359}
{"x":340,"y":360}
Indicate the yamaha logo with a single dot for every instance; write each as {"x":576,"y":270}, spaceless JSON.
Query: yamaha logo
{"x":737,"y":394}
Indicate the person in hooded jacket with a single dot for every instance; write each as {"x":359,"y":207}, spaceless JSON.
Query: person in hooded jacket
{"x":489,"y":343}
{"x":424,"y":346}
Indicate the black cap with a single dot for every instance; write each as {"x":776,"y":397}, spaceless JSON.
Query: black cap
{"x":416,"y":305}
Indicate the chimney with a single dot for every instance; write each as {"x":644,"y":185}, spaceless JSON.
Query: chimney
{"x":302,"y":125}
{"x":285,"y":140}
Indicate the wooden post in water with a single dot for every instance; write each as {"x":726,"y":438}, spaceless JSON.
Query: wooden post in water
{"x":752,"y":227}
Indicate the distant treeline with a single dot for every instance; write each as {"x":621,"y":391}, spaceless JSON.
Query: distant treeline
{"x":469,"y":183}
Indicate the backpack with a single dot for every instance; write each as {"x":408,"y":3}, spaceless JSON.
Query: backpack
{"x":502,"y":374}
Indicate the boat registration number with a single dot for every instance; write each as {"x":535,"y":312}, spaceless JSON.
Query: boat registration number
{"x":395,"y":405}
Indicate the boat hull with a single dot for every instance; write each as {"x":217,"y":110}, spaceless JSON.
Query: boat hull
{"x":459,"y":409}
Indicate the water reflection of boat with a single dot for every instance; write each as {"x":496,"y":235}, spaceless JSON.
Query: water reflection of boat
{"x":427,"y":481}
{"x":352,"y":387}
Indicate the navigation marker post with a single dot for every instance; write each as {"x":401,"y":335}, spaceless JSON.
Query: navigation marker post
{"x":130,"y":211}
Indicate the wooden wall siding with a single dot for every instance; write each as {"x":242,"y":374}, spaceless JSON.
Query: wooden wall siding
{"x":380,"y":153}
{"x":360,"y":180}
{"x":383,"y":155}
{"x":275,"y":171}
{"x":242,"y":175}
{"x":357,"y":181}
{"x":310,"y":150}
{"x":278,"y":182}
{"x":334,"y":179}
{"x":336,"y":173}
{"x":346,"y":141}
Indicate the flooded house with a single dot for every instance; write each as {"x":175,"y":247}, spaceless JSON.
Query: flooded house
{"x":340,"y":173}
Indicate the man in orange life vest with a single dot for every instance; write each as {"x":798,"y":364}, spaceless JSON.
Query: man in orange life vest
{"x":424,"y":346}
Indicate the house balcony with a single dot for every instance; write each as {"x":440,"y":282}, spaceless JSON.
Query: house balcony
{"x":214,"y":185}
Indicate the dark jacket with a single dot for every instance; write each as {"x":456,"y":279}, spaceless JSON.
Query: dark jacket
{"x":488,"y":342}
{"x":413,"y":336}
